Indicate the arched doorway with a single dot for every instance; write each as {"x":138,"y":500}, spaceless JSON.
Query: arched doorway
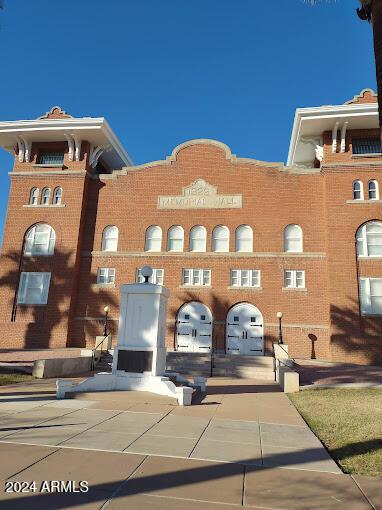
{"x":194,"y":328}
{"x":245,"y":330}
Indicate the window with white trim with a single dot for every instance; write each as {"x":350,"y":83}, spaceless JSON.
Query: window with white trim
{"x":156,"y":277}
{"x":371,"y":296}
{"x":45,"y":196}
{"x":153,"y":240}
{"x":33,"y":198}
{"x":106,"y":275}
{"x":220,"y":239}
{"x":294,"y":279}
{"x":293,"y":239}
{"x":197,"y":277}
{"x":357,"y":190}
{"x":40,"y":240}
{"x":33,"y":288}
{"x":373,"y":190}
{"x":245,"y":278}
{"x":244,"y":239}
{"x":110,"y":238}
{"x":57,"y":196}
{"x":198,"y":239}
{"x":369,"y":239}
{"x":175,"y":238}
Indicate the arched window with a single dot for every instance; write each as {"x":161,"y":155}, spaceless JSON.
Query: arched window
{"x":57,"y":196}
{"x":244,"y":238}
{"x":293,"y":239}
{"x":373,"y":190}
{"x":40,"y":240}
{"x":357,"y":190}
{"x":45,"y":196}
{"x":110,"y":238}
{"x":198,"y":239}
{"x":33,"y":198}
{"x":369,"y":239}
{"x":153,"y":240}
{"x":220,"y":238}
{"x":175,"y":238}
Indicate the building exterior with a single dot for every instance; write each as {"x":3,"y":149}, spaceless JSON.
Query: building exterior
{"x":235,"y":240}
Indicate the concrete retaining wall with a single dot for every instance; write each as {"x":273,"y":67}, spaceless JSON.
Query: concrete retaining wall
{"x":60,"y":367}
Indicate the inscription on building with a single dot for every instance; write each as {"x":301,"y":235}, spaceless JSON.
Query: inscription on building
{"x":200,"y":195}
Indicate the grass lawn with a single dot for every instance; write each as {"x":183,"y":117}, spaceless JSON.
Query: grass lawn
{"x":349,"y":423}
{"x":6,"y":379}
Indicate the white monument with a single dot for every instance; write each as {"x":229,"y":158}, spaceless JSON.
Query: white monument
{"x":139,"y":361}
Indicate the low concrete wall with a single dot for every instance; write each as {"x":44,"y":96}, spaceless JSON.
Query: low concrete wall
{"x":60,"y":367}
{"x":288,"y":379}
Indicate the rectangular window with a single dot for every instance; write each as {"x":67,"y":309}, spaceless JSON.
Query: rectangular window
{"x":371,"y":296}
{"x":156,"y":278}
{"x":245,"y":278}
{"x":197,"y":277}
{"x":51,"y":158}
{"x":294,"y":279}
{"x":33,"y":288}
{"x":366,"y":146}
{"x":106,"y":275}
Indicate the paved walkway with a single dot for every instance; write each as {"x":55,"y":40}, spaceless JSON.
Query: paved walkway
{"x":243,"y":445}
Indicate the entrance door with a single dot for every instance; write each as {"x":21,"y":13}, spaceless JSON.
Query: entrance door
{"x":194,"y":328}
{"x":245,"y":330}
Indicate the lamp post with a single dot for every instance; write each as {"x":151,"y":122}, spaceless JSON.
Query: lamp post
{"x":105,"y":329}
{"x":280,"y":316}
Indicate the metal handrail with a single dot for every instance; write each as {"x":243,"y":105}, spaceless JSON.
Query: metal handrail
{"x":92,"y":365}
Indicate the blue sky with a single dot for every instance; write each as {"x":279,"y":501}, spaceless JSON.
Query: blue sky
{"x":163,"y":72}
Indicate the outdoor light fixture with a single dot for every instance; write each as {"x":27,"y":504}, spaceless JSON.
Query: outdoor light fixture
{"x":146,"y":272}
{"x":105,"y":331}
{"x":279,"y":315}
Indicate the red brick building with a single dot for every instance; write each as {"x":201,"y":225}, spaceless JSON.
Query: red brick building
{"x":235,"y":240}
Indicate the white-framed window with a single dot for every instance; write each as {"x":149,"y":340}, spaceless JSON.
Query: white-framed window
{"x":106,"y":275}
{"x":57,"y":196}
{"x":51,"y":158}
{"x":220,"y":238}
{"x":369,"y":239}
{"x":110,"y":238}
{"x":294,"y":279}
{"x":153,"y":238}
{"x":357,"y":190}
{"x":198,"y":239}
{"x":40,"y":240}
{"x":373,"y":190}
{"x":175,"y":238}
{"x":244,"y":239}
{"x":33,"y":288}
{"x":33,"y":197}
{"x":197,"y":277}
{"x":371,"y":296}
{"x":245,"y":278}
{"x":45,"y":196}
{"x":156,"y":277}
{"x":293,"y":239}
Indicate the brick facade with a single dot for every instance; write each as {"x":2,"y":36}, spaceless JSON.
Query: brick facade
{"x":326,"y":313}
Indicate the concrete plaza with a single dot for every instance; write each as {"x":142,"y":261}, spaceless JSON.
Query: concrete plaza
{"x":243,"y":444}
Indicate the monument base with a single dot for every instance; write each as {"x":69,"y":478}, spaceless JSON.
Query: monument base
{"x":161,"y":385}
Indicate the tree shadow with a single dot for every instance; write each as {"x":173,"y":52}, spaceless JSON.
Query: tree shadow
{"x":51,"y":325}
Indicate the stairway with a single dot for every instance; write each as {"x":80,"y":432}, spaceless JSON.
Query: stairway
{"x":225,"y":365}
{"x":105,"y":362}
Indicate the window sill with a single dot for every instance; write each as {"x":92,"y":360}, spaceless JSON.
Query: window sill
{"x":371,"y":155}
{"x":32,"y":206}
{"x":371,"y":315}
{"x":242,"y":287}
{"x":30,"y":304}
{"x":37,"y":255}
{"x":194,"y":286}
{"x":108,"y":285}
{"x":368,"y":257}
{"x":372,"y":201}
{"x":299,"y":289}
{"x":49,"y":165}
